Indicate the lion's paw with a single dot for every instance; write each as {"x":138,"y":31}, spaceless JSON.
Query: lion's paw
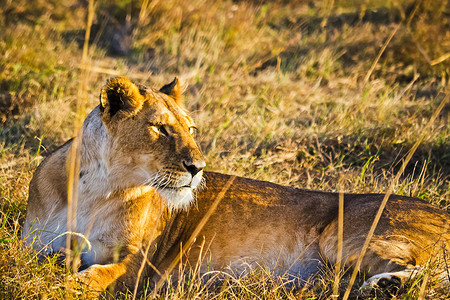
{"x":384,"y":281}
{"x":92,"y":278}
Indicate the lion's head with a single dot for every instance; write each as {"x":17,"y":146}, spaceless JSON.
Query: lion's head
{"x":150,"y":139}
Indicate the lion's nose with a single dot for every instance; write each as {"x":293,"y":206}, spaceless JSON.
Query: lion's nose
{"x":194,"y":167}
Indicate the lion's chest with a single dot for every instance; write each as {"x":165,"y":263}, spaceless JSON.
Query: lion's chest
{"x":104,"y":227}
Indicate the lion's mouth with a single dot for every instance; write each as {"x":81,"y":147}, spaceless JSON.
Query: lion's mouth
{"x":175,"y":188}
{"x":177,"y":197}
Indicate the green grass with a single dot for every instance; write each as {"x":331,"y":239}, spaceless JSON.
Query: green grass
{"x":277,"y":91}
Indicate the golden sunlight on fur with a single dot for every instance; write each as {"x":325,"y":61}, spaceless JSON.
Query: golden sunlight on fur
{"x":142,"y":191}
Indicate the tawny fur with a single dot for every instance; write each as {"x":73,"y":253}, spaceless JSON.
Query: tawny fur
{"x":121,"y":209}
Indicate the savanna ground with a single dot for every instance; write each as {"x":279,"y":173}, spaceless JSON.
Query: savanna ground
{"x":326,"y":95}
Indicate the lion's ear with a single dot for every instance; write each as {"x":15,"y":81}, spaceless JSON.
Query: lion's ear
{"x":173,"y":89}
{"x":120,"y":96}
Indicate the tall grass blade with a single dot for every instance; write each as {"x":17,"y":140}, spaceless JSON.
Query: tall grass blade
{"x":389,"y":192}
{"x":194,"y":235}
{"x":337,"y":276}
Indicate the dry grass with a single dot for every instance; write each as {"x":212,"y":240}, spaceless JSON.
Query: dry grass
{"x":277,"y":91}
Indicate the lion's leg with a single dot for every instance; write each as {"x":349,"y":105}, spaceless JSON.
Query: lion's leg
{"x":389,"y":260}
{"x":382,"y":255}
{"x":118,"y":277}
{"x":100,"y":277}
{"x":114,"y":277}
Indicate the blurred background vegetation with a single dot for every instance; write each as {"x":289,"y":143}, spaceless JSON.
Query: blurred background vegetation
{"x":324,"y":94}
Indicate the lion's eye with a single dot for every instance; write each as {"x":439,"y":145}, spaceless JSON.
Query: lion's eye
{"x":155,"y":128}
{"x":159,"y":129}
{"x":192,"y":130}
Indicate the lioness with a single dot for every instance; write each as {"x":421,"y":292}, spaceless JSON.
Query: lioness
{"x":138,"y":192}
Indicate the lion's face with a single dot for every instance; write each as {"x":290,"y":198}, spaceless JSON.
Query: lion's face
{"x":151,"y":139}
